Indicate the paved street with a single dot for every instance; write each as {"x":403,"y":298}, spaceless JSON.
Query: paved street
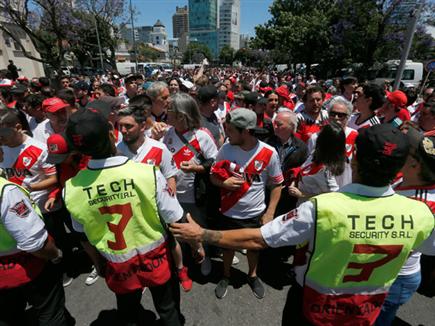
{"x":94,"y":304}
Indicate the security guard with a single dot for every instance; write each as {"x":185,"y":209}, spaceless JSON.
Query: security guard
{"x":25,"y":274}
{"x":358,"y":237}
{"x":116,"y":204}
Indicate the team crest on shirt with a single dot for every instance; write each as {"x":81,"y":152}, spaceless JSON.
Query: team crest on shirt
{"x":20,"y":209}
{"x":258,"y":165}
{"x":27,"y":161}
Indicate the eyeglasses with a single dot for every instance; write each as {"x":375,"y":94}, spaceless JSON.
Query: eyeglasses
{"x":340,"y":115}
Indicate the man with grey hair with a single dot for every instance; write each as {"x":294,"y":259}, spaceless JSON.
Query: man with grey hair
{"x":159,"y":94}
{"x":292,"y":153}
{"x":339,"y":111}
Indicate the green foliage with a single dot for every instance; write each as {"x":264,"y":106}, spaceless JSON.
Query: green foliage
{"x":336,"y":33}
{"x":196,"y":52}
{"x":146,"y":53}
{"x":226,"y":56}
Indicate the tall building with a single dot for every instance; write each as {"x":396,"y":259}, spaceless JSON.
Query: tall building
{"x":204,"y":23}
{"x":180,"y":22}
{"x":229,"y":24}
{"x":244,"y":40}
{"x":127,"y":34}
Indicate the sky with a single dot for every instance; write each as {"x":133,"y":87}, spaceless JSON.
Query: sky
{"x":253,"y":12}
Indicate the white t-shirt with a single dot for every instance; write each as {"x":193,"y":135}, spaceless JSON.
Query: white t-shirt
{"x":364,"y":124}
{"x":298,"y":226}
{"x":424,"y":194}
{"x":21,"y":221}
{"x":167,"y":203}
{"x":203,"y":143}
{"x":154,"y":153}
{"x":42,"y":131}
{"x":27,"y":164}
{"x":252,"y":202}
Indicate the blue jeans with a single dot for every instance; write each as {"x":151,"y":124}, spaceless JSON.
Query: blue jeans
{"x":400,"y":292}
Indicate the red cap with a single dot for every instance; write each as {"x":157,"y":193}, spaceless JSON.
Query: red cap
{"x":397,"y":98}
{"x":53,"y":104}
{"x":57,"y":149}
{"x":283,"y":92}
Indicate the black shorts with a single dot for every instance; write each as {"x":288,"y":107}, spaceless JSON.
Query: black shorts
{"x":228,"y":223}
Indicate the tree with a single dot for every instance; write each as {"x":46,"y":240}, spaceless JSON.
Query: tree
{"x":226,"y":55}
{"x":146,"y":53}
{"x":337,"y":33}
{"x":56,"y":27}
{"x":196,"y":52}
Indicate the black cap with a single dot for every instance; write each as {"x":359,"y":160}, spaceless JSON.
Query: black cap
{"x":130,"y":78}
{"x":87,"y":131}
{"x":101,"y":107}
{"x":81,"y":85}
{"x":207,"y":93}
{"x":383,"y":146}
{"x":251,"y":98}
{"x":18,"y":89}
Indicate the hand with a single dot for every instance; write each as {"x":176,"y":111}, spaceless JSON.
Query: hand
{"x":233,"y":183}
{"x":188,"y":166}
{"x":49,"y":204}
{"x":158,"y":130}
{"x":266,"y":218}
{"x":187,"y":232}
{"x":295,"y":192}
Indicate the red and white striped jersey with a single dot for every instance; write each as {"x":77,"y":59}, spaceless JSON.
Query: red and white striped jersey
{"x":154,"y":153}
{"x":27,"y":164}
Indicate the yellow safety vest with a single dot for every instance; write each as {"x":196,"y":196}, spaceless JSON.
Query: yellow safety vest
{"x":118,"y":210}
{"x":360,"y":245}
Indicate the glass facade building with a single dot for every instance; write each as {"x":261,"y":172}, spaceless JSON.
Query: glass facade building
{"x":203,"y":23}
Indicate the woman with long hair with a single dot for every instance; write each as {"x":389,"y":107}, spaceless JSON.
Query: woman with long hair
{"x":329,"y":159}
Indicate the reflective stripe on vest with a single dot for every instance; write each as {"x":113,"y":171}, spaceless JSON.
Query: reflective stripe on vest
{"x":118,"y":210}
{"x":16,"y":267}
{"x":360,"y":245}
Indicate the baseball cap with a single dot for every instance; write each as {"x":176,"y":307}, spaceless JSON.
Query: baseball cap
{"x":87,"y":131}
{"x":252,"y":98}
{"x":58,"y":149}
{"x":101,"y":107}
{"x":81,"y":85}
{"x":383,"y":146}
{"x":53,"y":104}
{"x":207,"y":93}
{"x":245,"y":119}
{"x":18,"y":89}
{"x":283,"y":92}
{"x":397,"y":98}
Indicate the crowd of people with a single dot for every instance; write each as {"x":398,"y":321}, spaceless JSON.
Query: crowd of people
{"x":152,"y":176}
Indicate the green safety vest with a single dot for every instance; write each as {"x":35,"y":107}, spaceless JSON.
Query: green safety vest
{"x":118,"y":210}
{"x":17,"y":268}
{"x":360,"y":246}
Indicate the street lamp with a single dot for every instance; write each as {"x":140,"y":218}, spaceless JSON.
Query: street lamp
{"x":133,"y":34}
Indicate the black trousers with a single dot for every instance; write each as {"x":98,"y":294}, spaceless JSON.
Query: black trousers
{"x":45,"y":294}
{"x":293,"y":309}
{"x":166,"y":300}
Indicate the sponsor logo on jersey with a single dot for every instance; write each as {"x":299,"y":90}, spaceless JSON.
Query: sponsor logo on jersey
{"x":20,"y":209}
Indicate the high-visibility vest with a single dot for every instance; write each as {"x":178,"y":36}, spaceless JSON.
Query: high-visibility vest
{"x":360,"y":245}
{"x":16,"y":267}
{"x":118,"y":210}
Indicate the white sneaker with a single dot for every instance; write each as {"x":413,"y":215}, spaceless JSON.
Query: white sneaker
{"x":92,"y":277}
{"x":235,"y":260}
{"x":66,"y":280}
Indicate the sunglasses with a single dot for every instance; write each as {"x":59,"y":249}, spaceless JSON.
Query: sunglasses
{"x":340,"y":115}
